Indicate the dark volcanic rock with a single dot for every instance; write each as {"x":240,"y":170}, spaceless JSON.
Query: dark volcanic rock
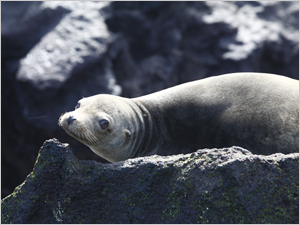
{"x":227,"y":185}
{"x":56,"y":52}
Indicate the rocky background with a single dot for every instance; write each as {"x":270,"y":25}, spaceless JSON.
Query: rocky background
{"x":54,"y":53}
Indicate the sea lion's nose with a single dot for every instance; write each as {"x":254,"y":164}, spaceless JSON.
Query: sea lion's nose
{"x":71,"y":119}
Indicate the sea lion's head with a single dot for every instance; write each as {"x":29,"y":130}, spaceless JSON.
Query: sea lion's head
{"x":105,"y":123}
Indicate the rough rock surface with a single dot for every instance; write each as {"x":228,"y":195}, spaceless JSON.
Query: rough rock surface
{"x":228,"y":185}
{"x":55,"y":52}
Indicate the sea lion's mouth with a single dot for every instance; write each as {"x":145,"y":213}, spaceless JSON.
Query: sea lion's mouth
{"x":79,"y":131}
{"x":66,"y":128}
{"x":71,"y":133}
{"x":82,"y":137}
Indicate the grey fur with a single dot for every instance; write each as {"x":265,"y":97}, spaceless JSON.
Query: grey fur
{"x":259,"y":112}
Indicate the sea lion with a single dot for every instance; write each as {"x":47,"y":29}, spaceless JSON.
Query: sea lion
{"x":256,"y":111}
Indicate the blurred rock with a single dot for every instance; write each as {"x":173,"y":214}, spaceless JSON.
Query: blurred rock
{"x":227,"y":185}
{"x":74,"y":48}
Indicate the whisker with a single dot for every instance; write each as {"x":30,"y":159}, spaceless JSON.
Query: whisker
{"x":90,"y":136}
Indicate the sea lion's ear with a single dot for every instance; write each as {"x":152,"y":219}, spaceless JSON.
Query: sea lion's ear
{"x":127,"y":133}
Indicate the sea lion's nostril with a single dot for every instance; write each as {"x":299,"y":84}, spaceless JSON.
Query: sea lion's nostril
{"x":71,"y":119}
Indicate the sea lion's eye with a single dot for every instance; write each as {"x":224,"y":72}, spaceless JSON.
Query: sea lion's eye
{"x":103,"y":124}
{"x":77,"y":106}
